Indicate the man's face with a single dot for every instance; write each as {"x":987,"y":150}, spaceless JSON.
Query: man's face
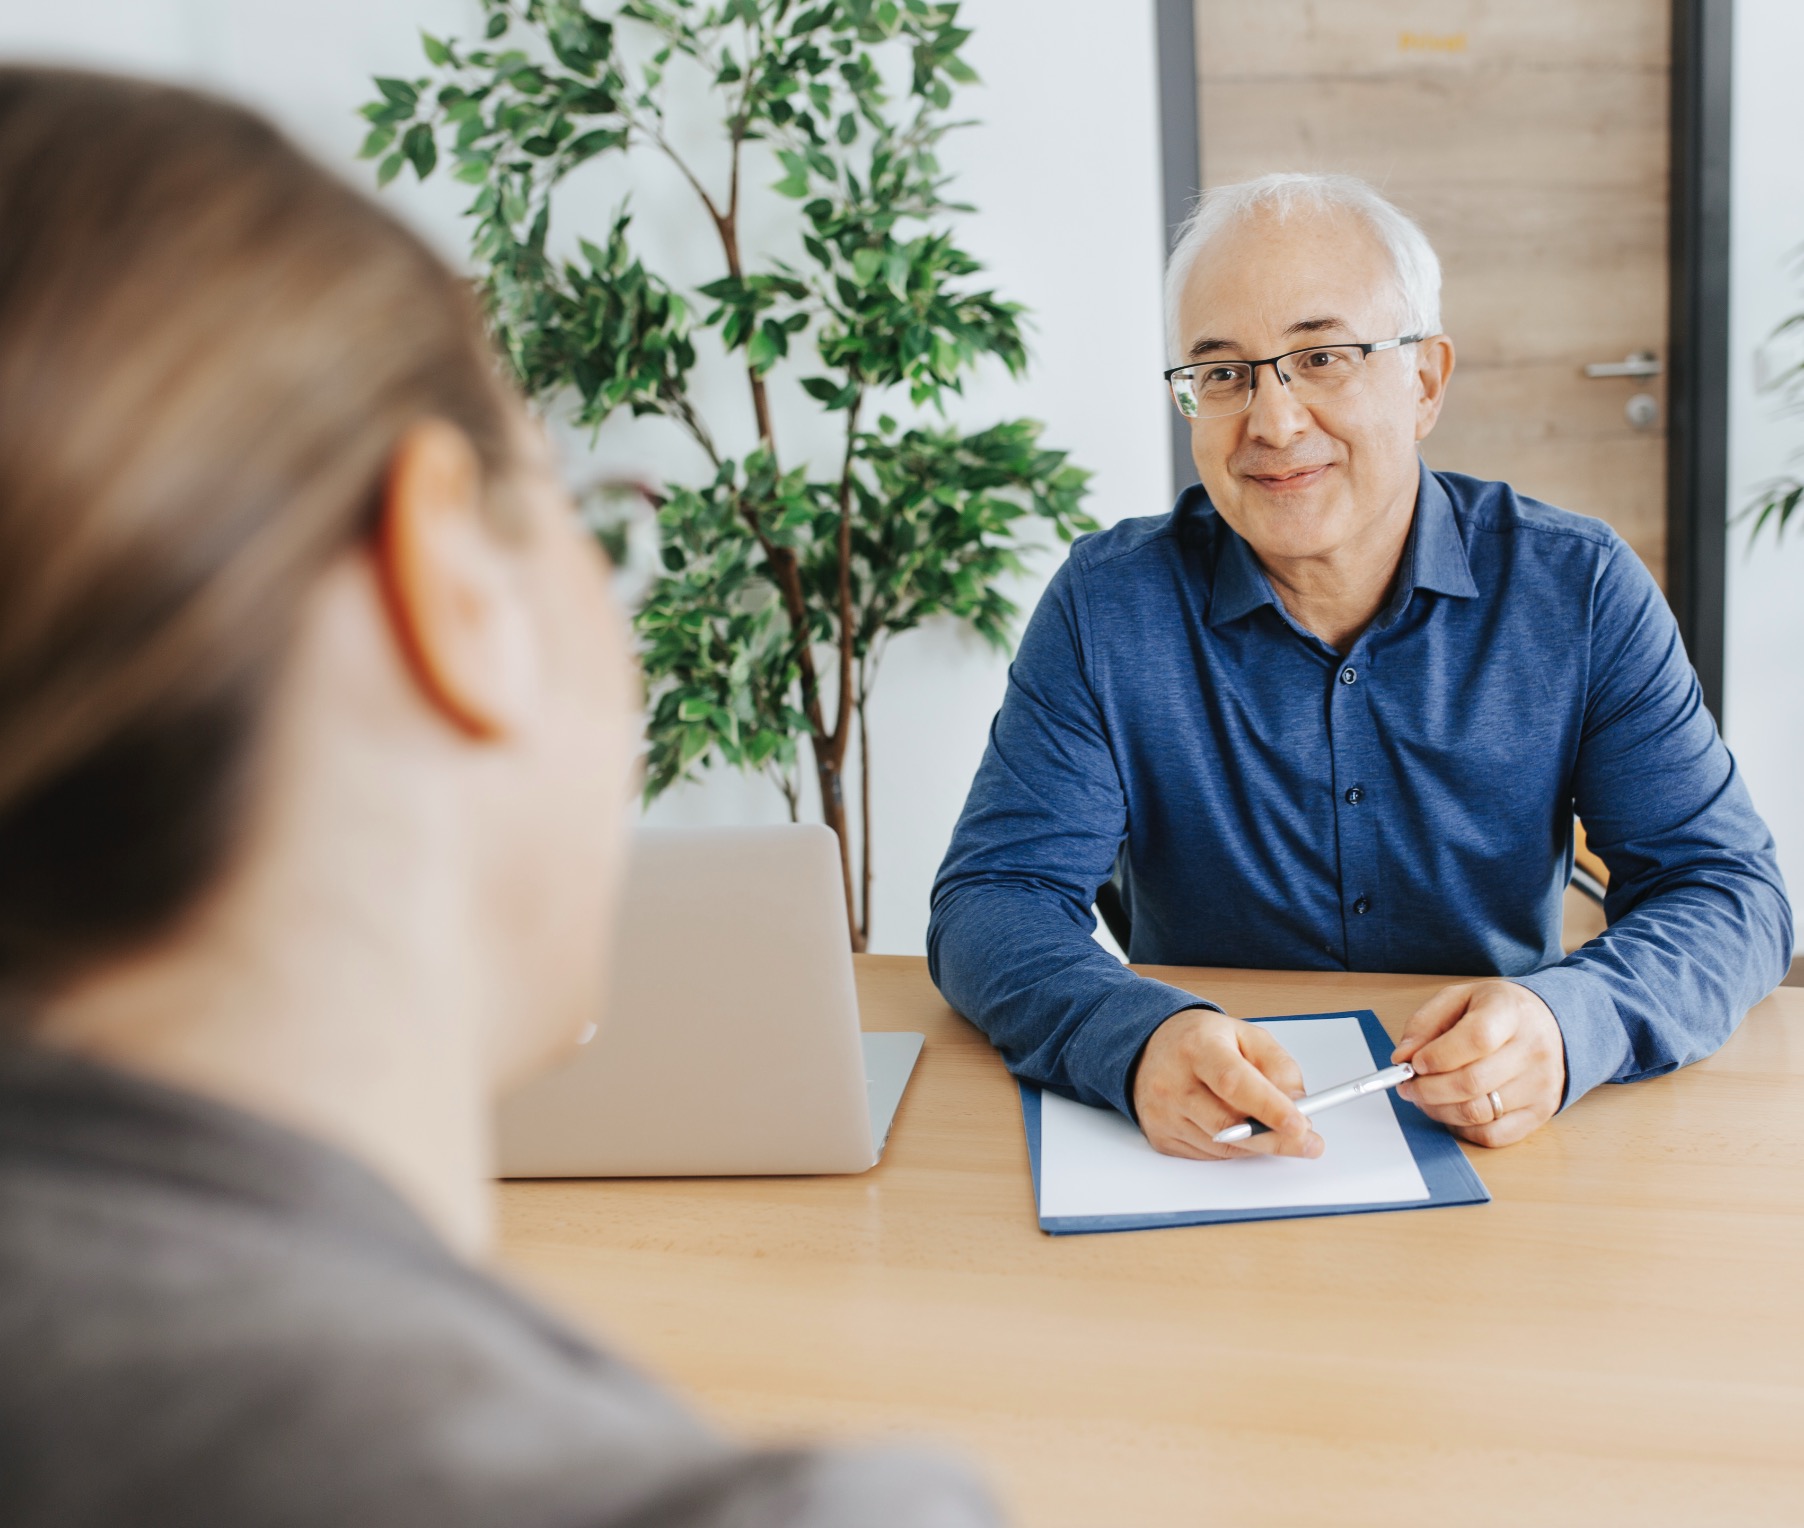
{"x":1321,"y":481}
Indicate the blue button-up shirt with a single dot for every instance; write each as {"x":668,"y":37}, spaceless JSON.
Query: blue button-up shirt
{"x":1264,"y":800}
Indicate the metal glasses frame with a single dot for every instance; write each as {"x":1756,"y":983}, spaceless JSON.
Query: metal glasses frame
{"x":1365,"y":348}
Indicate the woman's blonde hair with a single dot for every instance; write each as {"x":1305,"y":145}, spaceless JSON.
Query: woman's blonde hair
{"x":209,"y":350}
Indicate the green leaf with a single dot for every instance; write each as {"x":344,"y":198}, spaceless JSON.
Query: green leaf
{"x":795,"y":181}
{"x":420,"y":149}
{"x":867,"y":265}
{"x":597,"y":141}
{"x":498,"y":24}
{"x":436,"y":51}
{"x":389,"y":169}
{"x":378,"y":140}
{"x":762,"y":352}
{"x":399,"y":92}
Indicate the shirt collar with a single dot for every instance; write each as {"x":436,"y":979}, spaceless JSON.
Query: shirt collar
{"x":1434,"y":558}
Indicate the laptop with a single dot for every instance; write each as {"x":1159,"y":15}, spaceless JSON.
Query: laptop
{"x":731,"y":1044}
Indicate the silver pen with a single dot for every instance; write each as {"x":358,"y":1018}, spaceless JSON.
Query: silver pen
{"x":1314,"y":1103}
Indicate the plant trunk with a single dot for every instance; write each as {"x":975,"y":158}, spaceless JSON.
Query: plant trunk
{"x":830,"y":771}
{"x":829,"y":747}
{"x":864,"y":821}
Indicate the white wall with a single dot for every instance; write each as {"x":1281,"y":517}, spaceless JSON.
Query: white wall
{"x":1064,"y":171}
{"x":1763,"y":702}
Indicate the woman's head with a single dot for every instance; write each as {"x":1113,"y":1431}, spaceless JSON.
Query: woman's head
{"x":223,"y":376}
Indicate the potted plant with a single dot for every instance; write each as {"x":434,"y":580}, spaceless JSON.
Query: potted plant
{"x":783,"y":579}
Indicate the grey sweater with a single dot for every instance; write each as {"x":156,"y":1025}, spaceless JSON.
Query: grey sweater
{"x":206,"y":1319}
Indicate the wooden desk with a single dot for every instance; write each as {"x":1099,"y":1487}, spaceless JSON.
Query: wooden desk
{"x":1618,"y":1339}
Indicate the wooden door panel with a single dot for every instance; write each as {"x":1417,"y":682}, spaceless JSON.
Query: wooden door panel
{"x":1345,"y":37}
{"x":1530,"y":139}
{"x":1609,"y":241}
{"x":1523,"y":131}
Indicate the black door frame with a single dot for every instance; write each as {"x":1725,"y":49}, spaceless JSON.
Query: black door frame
{"x":1697,"y":366}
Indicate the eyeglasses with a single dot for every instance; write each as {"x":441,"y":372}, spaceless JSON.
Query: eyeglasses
{"x":1318,"y":374}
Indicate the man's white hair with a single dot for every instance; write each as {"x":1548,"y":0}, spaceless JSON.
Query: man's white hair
{"x":1417,"y":269}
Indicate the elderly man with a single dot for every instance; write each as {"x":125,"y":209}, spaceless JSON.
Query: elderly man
{"x":1336,"y":712}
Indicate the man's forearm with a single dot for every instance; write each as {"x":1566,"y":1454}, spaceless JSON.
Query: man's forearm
{"x":1670,"y":978}
{"x":1019,"y":962}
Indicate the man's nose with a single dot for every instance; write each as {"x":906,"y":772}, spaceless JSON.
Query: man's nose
{"x":1274,"y":416}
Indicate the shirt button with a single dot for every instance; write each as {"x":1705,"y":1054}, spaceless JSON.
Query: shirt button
{"x":1355,"y":794}
{"x":1363,"y":906}
{"x":1348,"y":674}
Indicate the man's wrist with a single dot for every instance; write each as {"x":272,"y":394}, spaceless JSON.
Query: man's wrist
{"x":1099,"y":1055}
{"x":1593,"y":1046}
{"x":1133,"y":1073}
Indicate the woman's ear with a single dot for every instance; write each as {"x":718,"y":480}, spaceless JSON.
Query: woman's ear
{"x":458,"y":607}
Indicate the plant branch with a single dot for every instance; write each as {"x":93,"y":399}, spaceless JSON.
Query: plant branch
{"x":786,"y":783}
{"x":677,"y":159}
{"x":726,"y":226}
{"x":864,"y":807}
{"x":847,"y":633}
{"x":684,"y":413}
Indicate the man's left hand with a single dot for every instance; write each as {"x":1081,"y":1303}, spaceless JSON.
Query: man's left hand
{"x":1474,"y":1039}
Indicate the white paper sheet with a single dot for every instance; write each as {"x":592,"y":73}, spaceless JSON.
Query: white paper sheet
{"x":1094,"y":1162}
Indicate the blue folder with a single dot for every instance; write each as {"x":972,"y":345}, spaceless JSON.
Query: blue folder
{"x":1445,"y":1170}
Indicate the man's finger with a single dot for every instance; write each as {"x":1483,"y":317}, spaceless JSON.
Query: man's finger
{"x":1204,"y":1113}
{"x":1487,"y":1025}
{"x":1241,"y":1085}
{"x":1471,"y":1118}
{"x":1505,"y":1130}
{"x":1183,"y":1138}
{"x":1260,"y":1048}
{"x":1438,"y":1089}
{"x":1190,"y":1131}
{"x":1435,"y":1017}
{"x":1267,"y":1143}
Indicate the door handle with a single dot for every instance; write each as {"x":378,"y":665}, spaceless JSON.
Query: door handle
{"x":1642,"y":363}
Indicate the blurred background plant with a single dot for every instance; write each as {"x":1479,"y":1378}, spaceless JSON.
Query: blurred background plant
{"x":1779,"y":371}
{"x":782,"y":580}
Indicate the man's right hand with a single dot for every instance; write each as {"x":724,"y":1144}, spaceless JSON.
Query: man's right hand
{"x":1202,"y":1072}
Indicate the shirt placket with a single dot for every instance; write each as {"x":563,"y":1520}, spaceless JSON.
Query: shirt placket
{"x":1352,"y":739}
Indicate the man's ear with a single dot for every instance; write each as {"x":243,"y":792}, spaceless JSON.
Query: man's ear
{"x":1434,"y":366}
{"x":457,"y":605}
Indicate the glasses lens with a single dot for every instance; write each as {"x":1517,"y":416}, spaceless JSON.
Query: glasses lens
{"x":1206,"y":392}
{"x":1209,"y":391}
{"x":1334,"y":371}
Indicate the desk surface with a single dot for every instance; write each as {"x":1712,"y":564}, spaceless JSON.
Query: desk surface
{"x":1619,"y":1338}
